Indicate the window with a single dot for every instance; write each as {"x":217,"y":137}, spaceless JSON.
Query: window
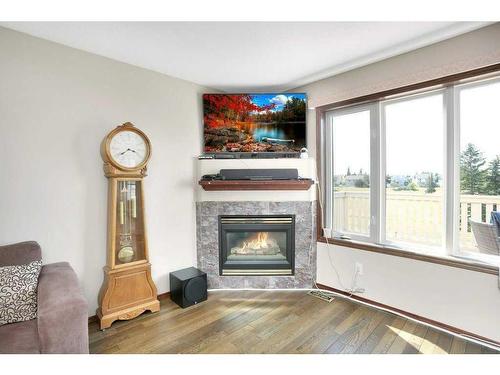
{"x":350,"y":137}
{"x":420,"y":171}
{"x":479,"y":183}
{"x":414,"y":164}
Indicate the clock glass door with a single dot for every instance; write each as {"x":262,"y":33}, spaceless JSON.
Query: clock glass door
{"x":129,"y":241}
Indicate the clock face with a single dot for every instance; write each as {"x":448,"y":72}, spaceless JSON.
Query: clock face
{"x":128,"y":149}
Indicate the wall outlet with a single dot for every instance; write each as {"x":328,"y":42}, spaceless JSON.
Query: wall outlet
{"x":358,"y":268}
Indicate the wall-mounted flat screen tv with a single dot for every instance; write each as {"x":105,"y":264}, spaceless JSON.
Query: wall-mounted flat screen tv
{"x":254,"y":123}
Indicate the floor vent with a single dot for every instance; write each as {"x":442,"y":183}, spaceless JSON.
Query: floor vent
{"x":325,"y":296}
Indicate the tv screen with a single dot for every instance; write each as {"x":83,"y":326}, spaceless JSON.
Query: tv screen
{"x":254,"y":122}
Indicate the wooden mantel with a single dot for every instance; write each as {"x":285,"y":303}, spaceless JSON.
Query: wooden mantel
{"x":218,"y":185}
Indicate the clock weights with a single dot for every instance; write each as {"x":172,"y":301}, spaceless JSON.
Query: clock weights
{"x":128,"y":289}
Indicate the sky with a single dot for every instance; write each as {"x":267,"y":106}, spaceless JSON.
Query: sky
{"x":415,"y":132}
{"x":278,"y":99}
{"x":415,"y":136}
{"x":480,"y":119}
{"x":351,"y":143}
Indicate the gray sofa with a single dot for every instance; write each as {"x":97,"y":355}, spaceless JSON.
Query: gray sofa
{"x":61,"y":325}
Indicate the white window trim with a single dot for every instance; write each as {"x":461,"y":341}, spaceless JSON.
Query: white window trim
{"x":373,"y":109}
{"x":452,"y":170}
{"x":383,"y":163}
{"x":376,"y":178}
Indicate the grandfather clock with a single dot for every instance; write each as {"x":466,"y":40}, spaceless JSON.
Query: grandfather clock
{"x":128,"y":289}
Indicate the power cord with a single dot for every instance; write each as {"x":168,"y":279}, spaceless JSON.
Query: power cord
{"x":352,"y":290}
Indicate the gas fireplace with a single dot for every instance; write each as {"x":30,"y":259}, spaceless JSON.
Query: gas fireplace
{"x":256,"y":245}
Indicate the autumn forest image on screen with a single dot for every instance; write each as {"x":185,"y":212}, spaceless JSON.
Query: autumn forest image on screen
{"x":254,"y":122}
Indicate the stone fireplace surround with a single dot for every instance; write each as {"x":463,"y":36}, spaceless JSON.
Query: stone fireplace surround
{"x":207,"y":237}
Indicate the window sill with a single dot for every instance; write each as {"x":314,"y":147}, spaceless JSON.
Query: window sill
{"x":443,"y":260}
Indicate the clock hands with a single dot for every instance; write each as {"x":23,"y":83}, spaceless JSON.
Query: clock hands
{"x":131,"y":160}
{"x":128,"y":149}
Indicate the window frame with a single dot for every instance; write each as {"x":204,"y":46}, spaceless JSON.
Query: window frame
{"x":383,"y":171}
{"x":450,"y":86}
{"x":373,"y":110}
{"x":455,"y":245}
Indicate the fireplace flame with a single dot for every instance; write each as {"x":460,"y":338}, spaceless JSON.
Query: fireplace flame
{"x":261,"y":243}
{"x":258,"y":243}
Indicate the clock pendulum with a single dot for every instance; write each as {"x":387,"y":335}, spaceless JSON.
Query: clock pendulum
{"x":126,"y":253}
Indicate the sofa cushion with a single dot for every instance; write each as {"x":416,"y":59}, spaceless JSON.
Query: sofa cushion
{"x":19,"y":338}
{"x":20,"y":253}
{"x":18,"y":298}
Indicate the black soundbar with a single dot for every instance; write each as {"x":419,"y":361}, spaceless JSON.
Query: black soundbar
{"x":259,"y":174}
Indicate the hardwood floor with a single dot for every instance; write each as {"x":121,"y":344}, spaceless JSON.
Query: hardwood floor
{"x":273,"y":322}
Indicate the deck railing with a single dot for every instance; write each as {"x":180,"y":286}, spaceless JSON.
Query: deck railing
{"x":412,"y":216}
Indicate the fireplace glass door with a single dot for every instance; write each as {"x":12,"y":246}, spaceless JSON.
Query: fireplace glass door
{"x":256,"y":245}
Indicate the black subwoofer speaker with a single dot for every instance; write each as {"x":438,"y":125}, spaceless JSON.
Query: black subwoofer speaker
{"x":188,"y":286}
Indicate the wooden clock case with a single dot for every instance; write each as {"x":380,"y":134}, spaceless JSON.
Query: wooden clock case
{"x":128,"y":289}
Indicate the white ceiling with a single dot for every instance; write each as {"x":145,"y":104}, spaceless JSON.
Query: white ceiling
{"x":246,"y":56}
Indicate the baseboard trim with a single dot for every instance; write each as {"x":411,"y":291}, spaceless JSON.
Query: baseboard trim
{"x":94,"y":319}
{"x":419,"y":318}
{"x":163,"y":296}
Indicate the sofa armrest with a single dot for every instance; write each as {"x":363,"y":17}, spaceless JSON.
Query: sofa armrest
{"x":62,"y":311}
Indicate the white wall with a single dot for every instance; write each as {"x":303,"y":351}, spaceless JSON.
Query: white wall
{"x":56,"y":105}
{"x":461,"y":298}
